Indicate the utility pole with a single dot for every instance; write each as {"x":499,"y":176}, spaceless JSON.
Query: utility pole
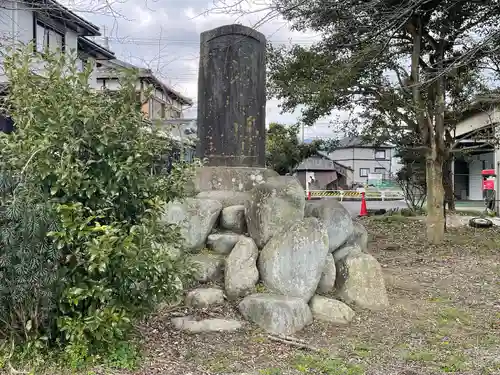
{"x":105,"y":39}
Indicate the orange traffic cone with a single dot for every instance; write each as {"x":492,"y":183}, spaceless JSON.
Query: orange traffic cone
{"x":363,"y":211}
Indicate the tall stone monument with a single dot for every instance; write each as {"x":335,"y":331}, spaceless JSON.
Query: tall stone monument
{"x":232,"y":97}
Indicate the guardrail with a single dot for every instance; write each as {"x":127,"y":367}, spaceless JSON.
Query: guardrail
{"x":341,"y":194}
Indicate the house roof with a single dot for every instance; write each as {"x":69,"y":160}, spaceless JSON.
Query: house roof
{"x":479,"y":104}
{"x":332,"y":165}
{"x":359,"y":142}
{"x":325,"y":155}
{"x":54,"y":9}
{"x":94,"y":49}
{"x":109,"y":69}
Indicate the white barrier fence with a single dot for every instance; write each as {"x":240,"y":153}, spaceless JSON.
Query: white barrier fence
{"x":341,"y":194}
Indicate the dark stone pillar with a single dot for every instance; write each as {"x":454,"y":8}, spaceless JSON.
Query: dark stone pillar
{"x":232,"y":97}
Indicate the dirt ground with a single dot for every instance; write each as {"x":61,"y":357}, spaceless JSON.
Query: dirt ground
{"x":444,"y":318}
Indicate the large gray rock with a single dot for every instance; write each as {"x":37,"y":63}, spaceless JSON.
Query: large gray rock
{"x":357,"y":243}
{"x":273,"y":207}
{"x":276,"y":314}
{"x":292,"y":262}
{"x":241,"y":274}
{"x":331,"y":310}
{"x":222,"y":243}
{"x":327,"y":282}
{"x":204,"y":297}
{"x":359,"y":237}
{"x":233,"y":219}
{"x":209,"y":267}
{"x":360,"y":282}
{"x":189,"y":324}
{"x":195,"y":217}
{"x":225,"y":197}
{"x":345,"y":250}
{"x":335,"y":218}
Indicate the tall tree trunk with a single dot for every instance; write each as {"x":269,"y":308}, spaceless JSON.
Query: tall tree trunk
{"x":435,"y":199}
{"x":432,"y":133}
{"x":449,"y":191}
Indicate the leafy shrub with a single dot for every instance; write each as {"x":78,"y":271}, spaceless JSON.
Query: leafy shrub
{"x":115,"y":272}
{"x":28,"y":262}
{"x":90,"y":158}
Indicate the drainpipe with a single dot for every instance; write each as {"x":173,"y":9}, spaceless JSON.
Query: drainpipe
{"x":105,"y":38}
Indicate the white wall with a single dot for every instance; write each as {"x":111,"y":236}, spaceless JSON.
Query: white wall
{"x":16,"y":26}
{"x":93,"y":75}
{"x":476,"y":164}
{"x":357,"y":158}
{"x":477,"y":121}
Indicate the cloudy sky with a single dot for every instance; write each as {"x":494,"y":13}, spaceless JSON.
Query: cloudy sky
{"x":164,"y":36}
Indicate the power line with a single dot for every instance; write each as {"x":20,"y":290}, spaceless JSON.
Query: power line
{"x":155,"y":41}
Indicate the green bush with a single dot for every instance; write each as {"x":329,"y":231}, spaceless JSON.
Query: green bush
{"x":90,"y":158}
{"x":29,"y":263}
{"x":114,"y":273}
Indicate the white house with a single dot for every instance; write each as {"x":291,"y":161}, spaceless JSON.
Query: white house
{"x":364,"y":159}
{"x":90,"y":51}
{"x":163,"y":103}
{"x":47,"y":24}
{"x":476,"y":145}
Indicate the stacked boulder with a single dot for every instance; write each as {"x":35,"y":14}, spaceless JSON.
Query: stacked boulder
{"x":310,"y":257}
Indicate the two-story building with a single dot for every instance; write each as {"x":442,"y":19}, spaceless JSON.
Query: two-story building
{"x":49,"y":25}
{"x":159,"y":101}
{"x":364,"y":159}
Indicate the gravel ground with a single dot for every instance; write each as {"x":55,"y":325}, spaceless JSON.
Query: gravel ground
{"x":444,"y":318}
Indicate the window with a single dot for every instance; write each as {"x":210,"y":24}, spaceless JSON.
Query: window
{"x":42,"y":37}
{"x":48,"y":38}
{"x":56,"y":41}
{"x":380,"y":170}
{"x":380,"y":154}
{"x":363,"y":172}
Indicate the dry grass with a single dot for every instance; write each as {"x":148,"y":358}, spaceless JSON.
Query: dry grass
{"x":444,"y":318}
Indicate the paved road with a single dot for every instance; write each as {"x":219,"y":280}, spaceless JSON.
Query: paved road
{"x":354,"y":206}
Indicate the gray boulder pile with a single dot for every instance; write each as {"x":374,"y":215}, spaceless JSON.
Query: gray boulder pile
{"x":310,"y":257}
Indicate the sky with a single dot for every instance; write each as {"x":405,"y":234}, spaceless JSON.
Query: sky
{"x":164,"y":35}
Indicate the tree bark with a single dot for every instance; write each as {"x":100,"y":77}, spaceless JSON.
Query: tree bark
{"x":435,"y":199}
{"x":449,"y":191}
{"x":436,"y":219}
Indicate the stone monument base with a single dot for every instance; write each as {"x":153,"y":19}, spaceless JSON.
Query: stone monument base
{"x":238,"y":179}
